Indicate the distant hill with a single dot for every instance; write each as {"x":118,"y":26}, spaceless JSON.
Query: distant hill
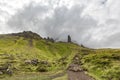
{"x":25,"y":34}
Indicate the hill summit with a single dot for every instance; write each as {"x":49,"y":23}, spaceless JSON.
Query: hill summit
{"x":27,"y":34}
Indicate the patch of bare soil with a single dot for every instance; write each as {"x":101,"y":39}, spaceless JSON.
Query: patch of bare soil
{"x":75,"y":71}
{"x":78,"y":75}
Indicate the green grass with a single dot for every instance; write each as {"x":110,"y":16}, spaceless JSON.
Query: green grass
{"x":15,"y":50}
{"x":34,"y":76}
{"x":27,"y":76}
{"x":102,"y":64}
{"x":65,"y":77}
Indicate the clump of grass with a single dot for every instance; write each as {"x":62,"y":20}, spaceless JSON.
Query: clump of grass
{"x":17,"y":48}
{"x":103,"y":65}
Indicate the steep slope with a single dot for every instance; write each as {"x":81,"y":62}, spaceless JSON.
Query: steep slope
{"x":28,"y":52}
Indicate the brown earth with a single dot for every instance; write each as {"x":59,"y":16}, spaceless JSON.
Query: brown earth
{"x":78,"y":76}
{"x":75,"y":71}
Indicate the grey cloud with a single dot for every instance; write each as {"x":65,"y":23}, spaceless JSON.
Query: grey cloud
{"x":62,"y":22}
{"x":28,"y":18}
{"x":113,"y":40}
{"x":65,"y":21}
{"x":104,"y":2}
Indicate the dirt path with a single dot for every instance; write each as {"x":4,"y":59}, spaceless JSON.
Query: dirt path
{"x":78,"y":76}
{"x":75,"y":72}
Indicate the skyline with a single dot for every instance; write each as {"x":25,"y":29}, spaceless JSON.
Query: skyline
{"x":93,"y":23}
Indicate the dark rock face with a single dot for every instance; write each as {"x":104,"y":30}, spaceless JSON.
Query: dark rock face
{"x":42,"y":69}
{"x":27,"y":34}
{"x":69,"y":38}
{"x":32,"y":62}
{"x":5,"y":69}
{"x":9,"y":71}
{"x":49,"y":39}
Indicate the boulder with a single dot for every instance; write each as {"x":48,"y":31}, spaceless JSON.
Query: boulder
{"x":9,"y":71}
{"x":1,"y":72}
{"x":75,"y":68}
{"x":34,"y":62}
{"x":27,"y":61}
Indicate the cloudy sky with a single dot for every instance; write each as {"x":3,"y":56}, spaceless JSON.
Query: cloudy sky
{"x":93,"y":23}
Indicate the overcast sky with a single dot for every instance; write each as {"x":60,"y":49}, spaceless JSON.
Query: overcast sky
{"x":93,"y":23}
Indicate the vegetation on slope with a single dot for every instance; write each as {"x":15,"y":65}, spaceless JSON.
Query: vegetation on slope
{"x":102,"y":64}
{"x":25,"y":55}
{"x":21,"y":53}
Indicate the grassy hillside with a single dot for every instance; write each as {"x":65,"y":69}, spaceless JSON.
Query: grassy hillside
{"x":103,"y":64}
{"x":28,"y":52}
{"x":26,"y":56}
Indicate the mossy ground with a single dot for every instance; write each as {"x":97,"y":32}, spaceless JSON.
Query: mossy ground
{"x":15,"y":50}
{"x":102,"y":64}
